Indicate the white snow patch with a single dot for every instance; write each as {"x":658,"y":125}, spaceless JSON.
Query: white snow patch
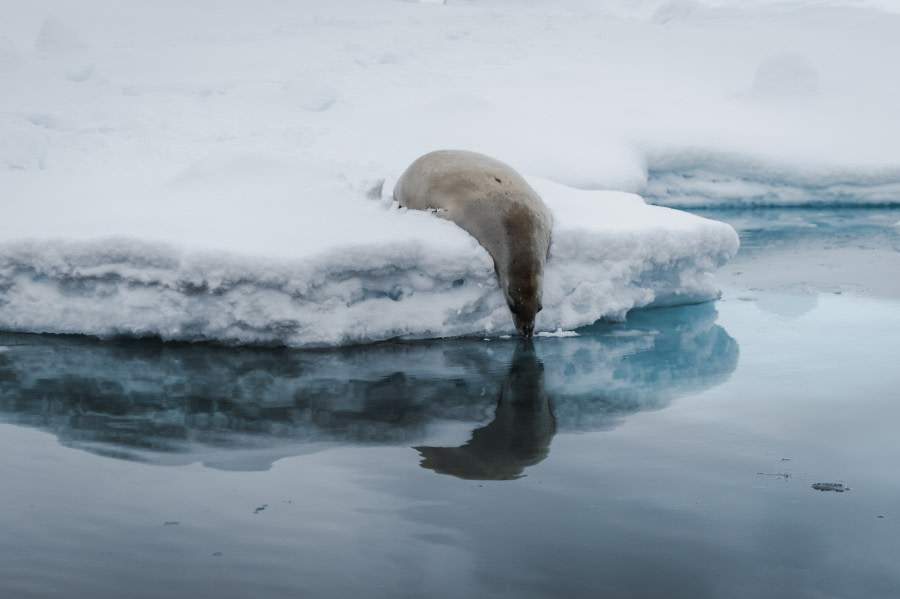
{"x":57,"y":39}
{"x":9,"y":57}
{"x":632,"y":333}
{"x":786,"y":74}
{"x":557,"y":333}
{"x":690,"y":12}
{"x":23,"y":145}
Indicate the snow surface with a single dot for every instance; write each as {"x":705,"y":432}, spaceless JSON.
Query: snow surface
{"x":329,"y":265}
{"x":211,"y":170}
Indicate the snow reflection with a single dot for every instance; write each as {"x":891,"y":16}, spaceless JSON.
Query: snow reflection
{"x":244,"y":408}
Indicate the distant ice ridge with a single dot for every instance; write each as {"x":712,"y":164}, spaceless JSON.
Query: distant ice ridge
{"x":702,"y":179}
{"x":339,"y":270}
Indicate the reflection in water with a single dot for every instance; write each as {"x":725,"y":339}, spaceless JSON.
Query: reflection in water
{"x":244,"y":408}
{"x":519,"y":435}
{"x":788,"y":306}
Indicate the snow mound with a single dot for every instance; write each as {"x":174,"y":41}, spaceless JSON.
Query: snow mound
{"x":690,"y":12}
{"x":23,"y":146}
{"x":250,"y":260}
{"x":9,"y":58}
{"x":786,"y":74}
{"x":57,"y":38}
{"x":611,"y":253}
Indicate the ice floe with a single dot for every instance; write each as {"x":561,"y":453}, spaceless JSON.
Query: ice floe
{"x":326,"y":264}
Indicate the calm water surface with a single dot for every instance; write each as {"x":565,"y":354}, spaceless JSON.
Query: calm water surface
{"x":673,"y":455}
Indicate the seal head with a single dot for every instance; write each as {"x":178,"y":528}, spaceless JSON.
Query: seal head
{"x":522,"y":285}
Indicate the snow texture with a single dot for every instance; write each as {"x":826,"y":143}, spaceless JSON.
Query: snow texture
{"x":223,"y":172}
{"x":342,"y":269}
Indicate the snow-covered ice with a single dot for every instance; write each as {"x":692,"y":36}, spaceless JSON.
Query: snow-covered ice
{"x":330,"y":265}
{"x":211,"y":171}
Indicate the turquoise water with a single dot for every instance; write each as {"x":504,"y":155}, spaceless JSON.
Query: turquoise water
{"x":673,"y":455}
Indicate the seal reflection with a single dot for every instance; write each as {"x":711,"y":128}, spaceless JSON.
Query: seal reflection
{"x":517,"y":438}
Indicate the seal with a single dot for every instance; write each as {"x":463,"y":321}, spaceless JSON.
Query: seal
{"x":495,"y":205}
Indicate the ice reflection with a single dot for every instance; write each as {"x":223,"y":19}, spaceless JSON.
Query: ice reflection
{"x":244,"y":408}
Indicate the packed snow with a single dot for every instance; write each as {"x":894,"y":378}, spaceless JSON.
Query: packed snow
{"x":223,"y":171}
{"x":329,"y":265}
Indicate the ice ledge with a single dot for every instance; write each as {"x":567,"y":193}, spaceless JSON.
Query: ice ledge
{"x":611,"y":253}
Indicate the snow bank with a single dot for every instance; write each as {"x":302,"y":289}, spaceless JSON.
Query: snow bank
{"x":684,"y":102}
{"x":286,"y":253}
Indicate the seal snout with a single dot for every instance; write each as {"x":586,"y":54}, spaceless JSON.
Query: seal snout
{"x":524,"y":324}
{"x":524,"y":309}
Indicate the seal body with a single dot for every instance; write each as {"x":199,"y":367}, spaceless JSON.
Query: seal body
{"x":495,"y":204}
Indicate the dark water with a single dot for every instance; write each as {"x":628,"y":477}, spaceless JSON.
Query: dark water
{"x":678,"y":454}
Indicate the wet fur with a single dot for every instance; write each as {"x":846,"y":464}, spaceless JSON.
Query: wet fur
{"x":497,"y":207}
